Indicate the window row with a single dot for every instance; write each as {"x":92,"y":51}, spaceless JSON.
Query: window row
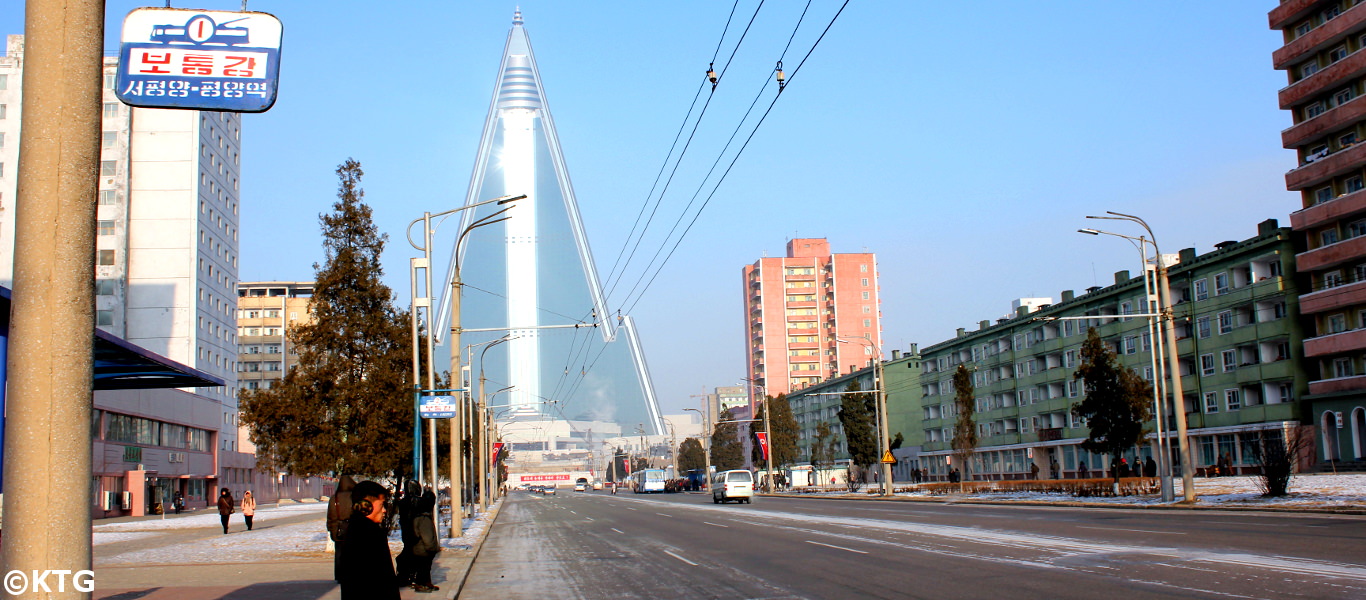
{"x":137,"y":430}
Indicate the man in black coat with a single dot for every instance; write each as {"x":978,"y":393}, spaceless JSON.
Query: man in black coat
{"x":407,"y":511}
{"x":367,"y":567}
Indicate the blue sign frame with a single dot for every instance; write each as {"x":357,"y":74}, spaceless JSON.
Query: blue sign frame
{"x":186,"y":60}
{"x":426,"y":412}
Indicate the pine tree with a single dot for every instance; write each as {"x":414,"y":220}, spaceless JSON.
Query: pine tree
{"x":347,"y":406}
{"x":727,"y":452}
{"x":691,"y":455}
{"x":1116,"y":402}
{"x":856,"y":414}
{"x":783,"y":440}
{"x":964,"y":429}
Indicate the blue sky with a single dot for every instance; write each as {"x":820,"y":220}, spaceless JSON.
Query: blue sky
{"x":962,"y":145}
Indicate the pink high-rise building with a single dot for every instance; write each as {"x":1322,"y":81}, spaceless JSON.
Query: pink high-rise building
{"x":810,"y":316}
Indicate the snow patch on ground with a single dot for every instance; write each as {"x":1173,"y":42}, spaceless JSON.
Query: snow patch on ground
{"x":265,"y":542}
{"x":1306,"y":491}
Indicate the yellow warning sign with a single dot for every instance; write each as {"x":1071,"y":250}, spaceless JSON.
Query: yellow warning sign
{"x":887,"y":458}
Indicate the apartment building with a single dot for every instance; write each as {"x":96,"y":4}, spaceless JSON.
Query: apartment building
{"x":820,"y":403}
{"x":809,"y":316}
{"x":1326,"y":69}
{"x":1237,"y":338}
{"x":165,"y":277}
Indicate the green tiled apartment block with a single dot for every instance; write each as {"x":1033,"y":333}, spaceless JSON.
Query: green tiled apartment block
{"x":1237,"y":338}
{"x":821,"y":402}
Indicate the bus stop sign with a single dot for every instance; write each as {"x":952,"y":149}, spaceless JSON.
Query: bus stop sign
{"x":197,"y":59}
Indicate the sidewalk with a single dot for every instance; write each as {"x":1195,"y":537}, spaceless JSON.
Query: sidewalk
{"x":282,"y":559}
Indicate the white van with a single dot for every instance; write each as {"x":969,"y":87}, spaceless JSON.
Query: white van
{"x":733,"y":485}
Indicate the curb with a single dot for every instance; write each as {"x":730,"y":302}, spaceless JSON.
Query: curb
{"x":1071,"y":504}
{"x":478,"y":546}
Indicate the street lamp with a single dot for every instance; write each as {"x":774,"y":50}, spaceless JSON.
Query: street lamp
{"x":883,"y":441}
{"x":1155,"y":334}
{"x":481,"y":457}
{"x":486,"y":447}
{"x":1173,"y":356}
{"x":767,"y":446}
{"x":425,"y":263}
{"x":706,"y":436}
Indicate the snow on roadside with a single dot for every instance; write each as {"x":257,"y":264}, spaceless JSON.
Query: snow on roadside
{"x":1306,"y":491}
{"x":209,"y":518}
{"x":265,"y":543}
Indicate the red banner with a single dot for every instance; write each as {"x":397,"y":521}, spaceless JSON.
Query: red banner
{"x":763,"y":442}
{"x":627,"y":463}
{"x":497,"y":453}
{"x":544,"y":477}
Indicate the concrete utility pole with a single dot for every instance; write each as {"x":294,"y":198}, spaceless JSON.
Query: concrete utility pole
{"x":47,"y":512}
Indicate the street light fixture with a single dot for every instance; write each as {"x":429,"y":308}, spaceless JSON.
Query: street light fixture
{"x":1155,"y":334}
{"x":884,"y":443}
{"x":706,"y":436}
{"x":767,"y":446}
{"x":425,"y":263}
{"x":1173,"y":356}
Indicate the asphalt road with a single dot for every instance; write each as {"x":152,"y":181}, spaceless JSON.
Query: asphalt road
{"x":594,"y":545}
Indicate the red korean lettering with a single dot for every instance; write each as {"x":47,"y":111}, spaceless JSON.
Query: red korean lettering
{"x":151,"y":63}
{"x":240,"y":66}
{"x":196,"y":64}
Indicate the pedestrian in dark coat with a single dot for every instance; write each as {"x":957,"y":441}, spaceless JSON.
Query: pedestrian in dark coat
{"x":338,"y":520}
{"x":1150,"y":468}
{"x":407,"y":511}
{"x":367,"y":569}
{"x":225,"y":508}
{"x":427,"y":544}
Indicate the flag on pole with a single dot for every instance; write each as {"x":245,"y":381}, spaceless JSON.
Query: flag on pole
{"x":497,"y":453}
{"x":627,"y":462}
{"x":763,"y":442}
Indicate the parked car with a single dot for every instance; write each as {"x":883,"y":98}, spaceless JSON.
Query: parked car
{"x":579,"y":487}
{"x":548,"y":490}
{"x":735,"y":485}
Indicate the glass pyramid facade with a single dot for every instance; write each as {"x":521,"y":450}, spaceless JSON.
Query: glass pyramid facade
{"x":532,"y":277}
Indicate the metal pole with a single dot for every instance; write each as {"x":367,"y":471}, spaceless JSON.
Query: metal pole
{"x":1155,"y":353}
{"x":483,"y":438}
{"x":431,"y":354}
{"x":768,"y":433}
{"x":1178,"y":399}
{"x":47,"y":513}
{"x":883,"y":434}
{"x":417,"y":373}
{"x":456,"y":508}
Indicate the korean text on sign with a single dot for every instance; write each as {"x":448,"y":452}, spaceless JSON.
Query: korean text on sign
{"x":200,"y":63}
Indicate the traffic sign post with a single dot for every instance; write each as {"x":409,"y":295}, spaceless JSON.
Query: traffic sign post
{"x":437,"y":407}
{"x":197,"y":59}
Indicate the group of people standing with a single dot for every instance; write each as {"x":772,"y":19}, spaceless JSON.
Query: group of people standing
{"x":226,"y":505}
{"x":363,"y":564}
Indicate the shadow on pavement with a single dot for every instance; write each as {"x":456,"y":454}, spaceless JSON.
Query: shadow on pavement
{"x":132,"y":595}
{"x":285,"y":590}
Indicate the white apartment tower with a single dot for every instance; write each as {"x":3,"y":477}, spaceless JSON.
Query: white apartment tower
{"x":166,"y":251}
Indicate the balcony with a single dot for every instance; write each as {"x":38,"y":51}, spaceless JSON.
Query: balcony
{"x":811,"y":277}
{"x":1318,"y":39}
{"x":1335,"y":119}
{"x":801,"y":290}
{"x":802,"y":304}
{"x":1324,"y":169}
{"x":1341,"y":207}
{"x":1338,"y":384}
{"x":1290,"y":11}
{"x":1354,"y":65}
{"x":1323,"y":257}
{"x":1336,"y":343}
{"x":1335,"y":297}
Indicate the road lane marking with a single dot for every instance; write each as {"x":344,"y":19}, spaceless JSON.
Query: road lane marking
{"x":664,"y":515}
{"x":714,"y":524}
{"x":618,"y":531}
{"x":1133,"y":530}
{"x":680,"y":558}
{"x":589,"y":518}
{"x":836,"y":547}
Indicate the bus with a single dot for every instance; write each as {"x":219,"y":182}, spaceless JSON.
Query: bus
{"x":648,"y":481}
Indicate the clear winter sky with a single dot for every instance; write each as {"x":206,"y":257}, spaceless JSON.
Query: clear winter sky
{"x":963,"y":145}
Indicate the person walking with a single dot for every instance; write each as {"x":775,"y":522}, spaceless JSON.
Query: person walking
{"x":178,"y":501}
{"x":338,"y":521}
{"x":367,"y":569}
{"x":427,"y":544}
{"x":1150,"y":468}
{"x":248,"y":507}
{"x":225,"y":508}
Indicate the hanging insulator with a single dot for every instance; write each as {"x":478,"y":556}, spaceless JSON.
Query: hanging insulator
{"x":711,"y":75}
{"x":782,"y":78}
